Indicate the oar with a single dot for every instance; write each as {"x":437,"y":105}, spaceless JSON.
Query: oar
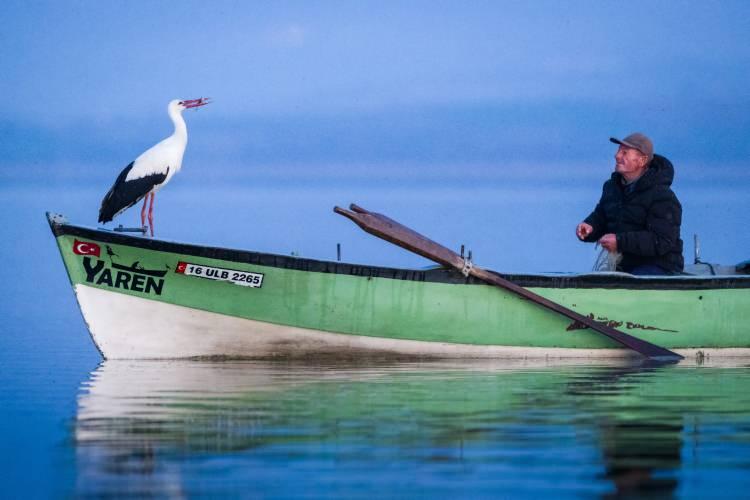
{"x":398,"y":234}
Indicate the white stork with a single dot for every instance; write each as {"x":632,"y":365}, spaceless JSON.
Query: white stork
{"x":148,"y":173}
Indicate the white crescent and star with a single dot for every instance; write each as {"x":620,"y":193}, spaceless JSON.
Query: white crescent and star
{"x":85,"y":248}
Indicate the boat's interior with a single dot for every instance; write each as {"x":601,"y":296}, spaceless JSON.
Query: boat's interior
{"x":707,"y":269}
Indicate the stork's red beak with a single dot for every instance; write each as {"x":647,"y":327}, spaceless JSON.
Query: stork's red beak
{"x":194,"y":103}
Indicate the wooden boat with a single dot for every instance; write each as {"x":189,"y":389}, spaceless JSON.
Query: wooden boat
{"x":148,"y":298}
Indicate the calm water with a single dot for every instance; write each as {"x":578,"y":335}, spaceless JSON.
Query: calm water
{"x":437,"y":429}
{"x":443,"y":429}
{"x":72,"y":426}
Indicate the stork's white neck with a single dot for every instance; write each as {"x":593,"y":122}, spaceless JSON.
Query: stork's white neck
{"x":180,"y":129}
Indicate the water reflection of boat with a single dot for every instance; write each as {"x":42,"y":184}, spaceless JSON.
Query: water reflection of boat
{"x":619,"y":427}
{"x":239,"y":304}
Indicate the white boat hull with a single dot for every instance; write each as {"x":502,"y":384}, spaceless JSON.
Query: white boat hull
{"x":129,"y":327}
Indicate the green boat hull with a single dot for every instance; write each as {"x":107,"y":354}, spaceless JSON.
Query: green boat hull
{"x":146,"y":298}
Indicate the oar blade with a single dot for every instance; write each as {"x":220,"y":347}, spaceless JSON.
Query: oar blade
{"x":400,"y":235}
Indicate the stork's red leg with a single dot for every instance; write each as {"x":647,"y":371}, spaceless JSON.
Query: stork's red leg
{"x":143,"y":210}
{"x":151,"y":213}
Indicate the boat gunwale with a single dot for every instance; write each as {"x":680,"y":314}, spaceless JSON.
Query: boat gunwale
{"x":437,"y":275}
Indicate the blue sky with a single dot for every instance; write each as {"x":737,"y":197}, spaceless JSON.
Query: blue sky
{"x":505,"y":95}
{"x":376,"y":82}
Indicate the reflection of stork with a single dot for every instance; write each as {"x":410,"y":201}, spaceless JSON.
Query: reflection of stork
{"x":151,"y":170}
{"x":111,"y":252}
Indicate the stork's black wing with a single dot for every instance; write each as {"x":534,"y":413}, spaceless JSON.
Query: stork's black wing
{"x":124,"y":194}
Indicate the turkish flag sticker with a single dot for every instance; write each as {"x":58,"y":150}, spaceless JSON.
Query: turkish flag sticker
{"x":86,"y":248}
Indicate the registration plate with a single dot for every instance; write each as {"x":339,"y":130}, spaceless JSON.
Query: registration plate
{"x":242,"y":278}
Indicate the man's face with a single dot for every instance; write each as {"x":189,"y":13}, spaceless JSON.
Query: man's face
{"x":629,"y":162}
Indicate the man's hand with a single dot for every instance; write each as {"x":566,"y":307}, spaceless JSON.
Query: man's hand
{"x":609,"y":241}
{"x":583,"y":230}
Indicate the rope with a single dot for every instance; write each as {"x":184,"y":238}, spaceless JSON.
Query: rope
{"x":606,"y":261}
{"x":468,"y":266}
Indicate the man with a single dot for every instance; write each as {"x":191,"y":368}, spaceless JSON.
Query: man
{"x":638,"y":215}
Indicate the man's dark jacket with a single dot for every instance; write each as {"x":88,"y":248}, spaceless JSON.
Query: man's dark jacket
{"x":645,"y":216}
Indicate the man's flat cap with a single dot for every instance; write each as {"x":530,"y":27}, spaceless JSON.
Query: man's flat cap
{"x":637,"y":141}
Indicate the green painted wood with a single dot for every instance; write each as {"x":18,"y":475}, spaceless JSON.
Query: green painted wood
{"x":394,"y":232}
{"x":437,"y":312}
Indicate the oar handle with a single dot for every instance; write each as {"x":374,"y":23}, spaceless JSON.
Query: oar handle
{"x":647,"y":349}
